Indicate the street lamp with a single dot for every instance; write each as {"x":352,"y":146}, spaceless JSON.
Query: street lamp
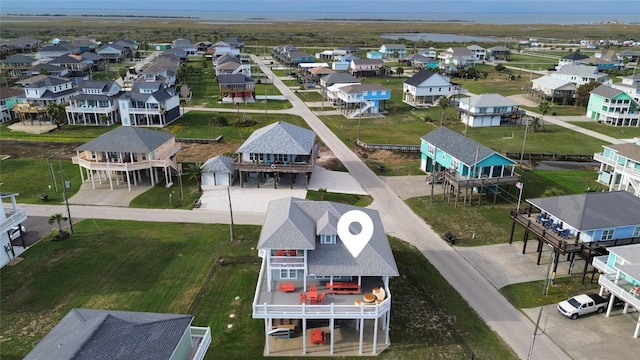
{"x":170,"y":195}
{"x":65,"y":187}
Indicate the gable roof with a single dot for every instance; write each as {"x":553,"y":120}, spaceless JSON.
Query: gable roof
{"x":578,"y":70}
{"x":368,"y":62}
{"x":234,"y":79}
{"x":552,"y":82}
{"x":6,"y":93}
{"x":607,"y":92}
{"x":421,"y":76}
{"x":292,"y":223}
{"x":593,"y":210}
{"x":575,"y":56}
{"x":340,"y":78}
{"x":18,"y":59}
{"x":279,"y":138}
{"x":85,"y":334}
{"x":43,"y":80}
{"x":360,"y":88}
{"x":394,"y":46}
{"x":458,"y":146}
{"x":127,"y":139}
{"x":220,"y":163}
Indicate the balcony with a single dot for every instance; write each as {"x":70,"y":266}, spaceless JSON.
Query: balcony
{"x":16,"y":217}
{"x":621,"y":289}
{"x":200,"y":340}
{"x":287,"y":261}
{"x":277,"y":304}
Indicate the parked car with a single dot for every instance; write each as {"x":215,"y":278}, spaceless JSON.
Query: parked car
{"x":582,"y":305}
{"x":14,"y":233}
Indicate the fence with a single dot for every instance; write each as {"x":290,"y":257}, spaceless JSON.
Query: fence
{"x":554,"y":156}
{"x":391,"y":147}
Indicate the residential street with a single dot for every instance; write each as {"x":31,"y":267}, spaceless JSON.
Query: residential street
{"x":512,"y":325}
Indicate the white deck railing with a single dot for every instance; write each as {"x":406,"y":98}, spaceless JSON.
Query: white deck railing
{"x":205,"y":334}
{"x":608,"y":281}
{"x":18,"y":216}
{"x":287,"y":261}
{"x":367,"y":311}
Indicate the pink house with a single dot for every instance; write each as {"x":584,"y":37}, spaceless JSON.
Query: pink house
{"x":365,"y":67}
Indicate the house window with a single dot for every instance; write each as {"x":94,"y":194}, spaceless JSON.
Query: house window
{"x":431,"y":150}
{"x":636,"y":231}
{"x":455,"y":164}
{"x":288,"y":274}
{"x":327,"y":239}
{"x":607,"y":234}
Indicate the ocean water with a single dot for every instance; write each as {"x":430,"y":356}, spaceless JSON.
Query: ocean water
{"x":487,"y":11}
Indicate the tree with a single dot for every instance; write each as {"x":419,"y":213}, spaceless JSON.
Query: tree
{"x":500,"y":68}
{"x":443,"y":102}
{"x":544,"y":107}
{"x":584,"y":92}
{"x":323,"y":192}
{"x":122,"y":72}
{"x":400,"y":70}
{"x":43,"y":71}
{"x":182,"y":72}
{"x":57,"y":218}
{"x":534,"y":124}
{"x":383,"y":71}
{"x":194,"y":171}
{"x":56,"y":113}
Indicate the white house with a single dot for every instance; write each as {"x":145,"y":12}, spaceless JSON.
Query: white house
{"x":12,"y":218}
{"x":426,"y":87}
{"x":488,"y":110}
{"x":579,"y":74}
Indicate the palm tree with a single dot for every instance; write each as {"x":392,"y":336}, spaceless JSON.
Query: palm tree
{"x":122,"y":72}
{"x":544,"y":107}
{"x":444,"y":103}
{"x":534,"y":123}
{"x":323,"y":192}
{"x":194,"y":171}
{"x":56,"y":113}
{"x":57,"y":218}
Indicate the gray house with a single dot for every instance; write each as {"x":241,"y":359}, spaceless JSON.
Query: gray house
{"x":310,"y":273}
{"x":122,"y":335}
{"x":277,"y":149}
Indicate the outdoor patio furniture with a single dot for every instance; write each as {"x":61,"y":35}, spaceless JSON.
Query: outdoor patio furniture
{"x":369,"y":298}
{"x":287,"y":287}
{"x":317,"y":337}
{"x":320,"y":298}
{"x":379,"y":293}
{"x":564,"y":233}
{"x":312,"y":295}
{"x":303,"y":297}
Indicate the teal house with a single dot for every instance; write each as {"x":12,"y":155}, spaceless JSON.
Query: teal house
{"x":464,"y":163}
{"x":613,"y":107}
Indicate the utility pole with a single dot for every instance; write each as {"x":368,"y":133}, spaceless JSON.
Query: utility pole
{"x":231,"y":232}
{"x":65,"y":186}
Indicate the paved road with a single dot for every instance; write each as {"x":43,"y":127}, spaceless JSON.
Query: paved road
{"x":513,"y":326}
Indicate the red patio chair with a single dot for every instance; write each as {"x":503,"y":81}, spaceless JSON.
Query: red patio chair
{"x":321,"y":298}
{"x":303,"y":297}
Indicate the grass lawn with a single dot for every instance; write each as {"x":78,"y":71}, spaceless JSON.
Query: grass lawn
{"x":397,"y":168}
{"x":30,"y":178}
{"x":613,"y":131}
{"x":351,"y":199}
{"x":309,"y":96}
{"x":531,"y":294}
{"x":158,"y":196}
{"x":140,"y":266}
{"x":490,"y":224}
{"x":560,"y":110}
{"x":197,"y":124}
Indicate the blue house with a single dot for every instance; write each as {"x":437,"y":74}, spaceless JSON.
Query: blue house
{"x":621,"y":277}
{"x":359,"y":99}
{"x":377,"y":55}
{"x":586,"y":224}
{"x":466,"y":164}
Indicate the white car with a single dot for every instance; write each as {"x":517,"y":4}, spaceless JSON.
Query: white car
{"x":14,"y":233}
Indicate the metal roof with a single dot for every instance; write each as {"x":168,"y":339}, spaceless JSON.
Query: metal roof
{"x":594,"y":210}
{"x":489,"y":100}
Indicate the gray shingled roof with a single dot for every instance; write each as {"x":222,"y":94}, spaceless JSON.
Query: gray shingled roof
{"x":279,"y":138}
{"x":127,"y":139}
{"x":292,"y":223}
{"x":340,"y":78}
{"x":419,"y":77}
{"x":18,"y":59}
{"x":458,"y":146}
{"x":234,"y":79}
{"x":575,"y":56}
{"x":628,"y":150}
{"x":218,"y":163}
{"x":85,"y":334}
{"x":594,"y":210}
{"x":489,"y":100}
{"x":360,"y":88}
{"x":631,"y":253}
{"x":606,"y":91}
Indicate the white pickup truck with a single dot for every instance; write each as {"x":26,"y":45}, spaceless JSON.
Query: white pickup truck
{"x":582,"y":305}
